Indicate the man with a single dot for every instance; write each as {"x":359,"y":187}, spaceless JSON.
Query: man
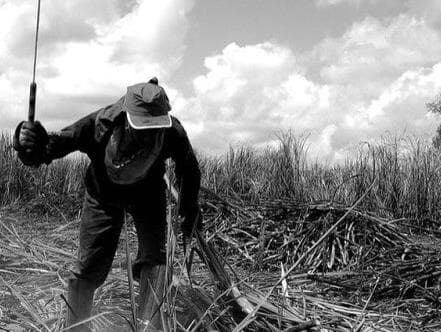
{"x":127,"y":143}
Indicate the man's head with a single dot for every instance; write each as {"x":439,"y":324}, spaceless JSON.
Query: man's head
{"x":147,"y":106}
{"x":136,"y":143}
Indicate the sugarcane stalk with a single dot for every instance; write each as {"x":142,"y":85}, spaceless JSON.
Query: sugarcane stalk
{"x":130,"y":275}
{"x":214,"y":264}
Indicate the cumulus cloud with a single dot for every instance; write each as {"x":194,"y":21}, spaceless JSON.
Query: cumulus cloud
{"x":399,"y":109}
{"x":429,"y":10}
{"x":248,"y":94}
{"x":251,"y":92}
{"x":382,"y":73}
{"x":375,"y":52}
{"x":89,"y":52}
{"x":239,"y":94}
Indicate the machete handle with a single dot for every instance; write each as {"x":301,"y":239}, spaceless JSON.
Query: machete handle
{"x":32,"y":99}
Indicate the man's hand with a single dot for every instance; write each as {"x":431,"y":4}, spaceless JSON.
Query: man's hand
{"x":28,"y":137}
{"x":192,"y":221}
{"x":30,"y":141}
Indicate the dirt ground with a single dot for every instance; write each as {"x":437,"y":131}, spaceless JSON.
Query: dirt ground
{"x":36,"y":253}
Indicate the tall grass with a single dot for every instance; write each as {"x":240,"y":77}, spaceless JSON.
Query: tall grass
{"x":60,"y":184}
{"x":408,"y":173}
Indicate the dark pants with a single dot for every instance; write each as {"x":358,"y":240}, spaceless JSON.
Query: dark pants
{"x":100,"y":229}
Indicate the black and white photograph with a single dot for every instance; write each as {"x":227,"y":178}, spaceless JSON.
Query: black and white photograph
{"x":220,"y":165}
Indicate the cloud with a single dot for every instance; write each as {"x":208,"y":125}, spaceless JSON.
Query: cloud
{"x":250,"y":101}
{"x":429,"y":10}
{"x":399,"y":109}
{"x":375,"y":53}
{"x":381,"y":73}
{"x":89,"y":51}
{"x":248,"y":94}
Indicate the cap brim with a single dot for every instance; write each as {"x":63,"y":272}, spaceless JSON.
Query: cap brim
{"x":143,"y":122}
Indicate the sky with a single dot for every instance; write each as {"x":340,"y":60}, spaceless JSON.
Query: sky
{"x":340,"y":72}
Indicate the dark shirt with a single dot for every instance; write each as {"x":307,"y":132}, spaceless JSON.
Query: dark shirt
{"x":91,"y":134}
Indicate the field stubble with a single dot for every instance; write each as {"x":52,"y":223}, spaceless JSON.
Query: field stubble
{"x":377,"y":271}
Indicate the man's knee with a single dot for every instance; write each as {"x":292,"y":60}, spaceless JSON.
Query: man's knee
{"x":95,"y":278}
{"x":99,"y":233}
{"x":148,"y":261}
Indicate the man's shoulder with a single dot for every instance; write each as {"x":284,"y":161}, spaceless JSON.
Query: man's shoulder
{"x":106,"y":118}
{"x":177,"y":126}
{"x":110,"y":112}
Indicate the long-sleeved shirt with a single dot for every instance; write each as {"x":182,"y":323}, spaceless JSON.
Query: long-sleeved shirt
{"x":91,"y":134}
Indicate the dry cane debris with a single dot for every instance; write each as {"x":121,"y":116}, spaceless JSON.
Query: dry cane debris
{"x":369,"y":274}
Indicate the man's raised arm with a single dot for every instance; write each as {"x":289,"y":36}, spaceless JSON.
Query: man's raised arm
{"x":35,"y":146}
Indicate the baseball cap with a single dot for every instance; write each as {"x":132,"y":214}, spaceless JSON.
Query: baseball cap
{"x":147,"y":106}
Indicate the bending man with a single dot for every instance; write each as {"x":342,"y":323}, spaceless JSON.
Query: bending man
{"x":127,"y":143}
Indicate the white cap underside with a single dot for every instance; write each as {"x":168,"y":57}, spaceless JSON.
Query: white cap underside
{"x":168,"y":125}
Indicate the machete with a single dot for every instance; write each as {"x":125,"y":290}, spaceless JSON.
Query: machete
{"x":33,"y":86}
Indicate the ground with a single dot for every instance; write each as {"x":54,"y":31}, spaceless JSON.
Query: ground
{"x":37,"y":249}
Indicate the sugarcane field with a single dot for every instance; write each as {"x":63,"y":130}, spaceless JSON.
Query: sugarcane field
{"x":313,"y":249}
{"x":220,"y":166}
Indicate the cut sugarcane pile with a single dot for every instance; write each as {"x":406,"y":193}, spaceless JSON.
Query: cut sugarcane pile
{"x":274,"y":232}
{"x":402,"y":273}
{"x":368,"y":263}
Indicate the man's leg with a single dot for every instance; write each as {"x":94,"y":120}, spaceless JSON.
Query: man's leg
{"x":153,"y":288}
{"x":80,"y":298}
{"x":149,"y":267}
{"x":99,"y":233}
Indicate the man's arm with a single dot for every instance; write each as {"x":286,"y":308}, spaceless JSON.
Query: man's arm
{"x":44,"y":148}
{"x":187,"y":173}
{"x":80,"y":136}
